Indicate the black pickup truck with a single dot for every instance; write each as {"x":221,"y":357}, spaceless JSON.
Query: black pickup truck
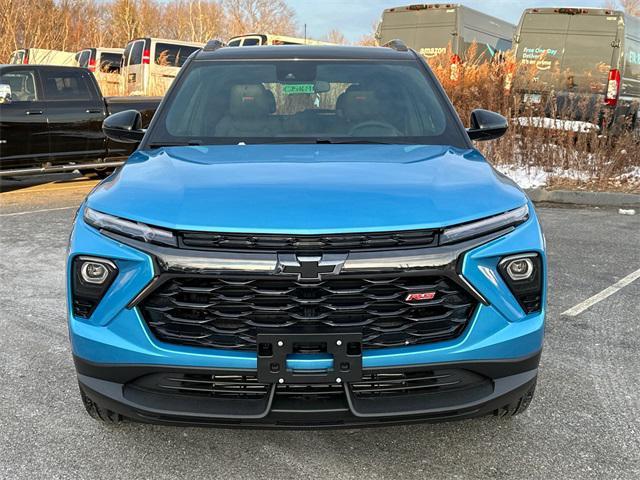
{"x":51,"y":121}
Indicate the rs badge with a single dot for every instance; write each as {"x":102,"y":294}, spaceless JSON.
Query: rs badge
{"x":419,"y":297}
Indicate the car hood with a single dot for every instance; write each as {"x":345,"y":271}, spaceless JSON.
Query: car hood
{"x":306,"y":188}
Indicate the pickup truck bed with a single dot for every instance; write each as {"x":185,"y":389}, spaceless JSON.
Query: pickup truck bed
{"x":52,"y":121}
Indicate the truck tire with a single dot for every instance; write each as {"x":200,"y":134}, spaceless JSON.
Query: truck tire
{"x":99,"y":413}
{"x":519,"y":406}
{"x":103,"y":173}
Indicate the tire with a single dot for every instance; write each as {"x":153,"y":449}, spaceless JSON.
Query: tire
{"x":99,"y":413}
{"x":519,"y":406}
{"x":102,"y":174}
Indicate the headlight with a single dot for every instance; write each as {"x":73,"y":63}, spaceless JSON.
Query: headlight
{"x":128,"y":228}
{"x":484,"y":226}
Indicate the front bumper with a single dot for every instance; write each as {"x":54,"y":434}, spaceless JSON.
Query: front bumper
{"x":500,"y":343}
{"x":127,"y":389}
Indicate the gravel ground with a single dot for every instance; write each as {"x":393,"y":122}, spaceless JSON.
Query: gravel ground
{"x":583,"y":423}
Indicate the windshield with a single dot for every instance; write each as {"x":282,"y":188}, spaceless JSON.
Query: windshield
{"x":230,"y":102}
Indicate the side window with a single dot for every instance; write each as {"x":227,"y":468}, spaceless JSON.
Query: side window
{"x":110,"y":62}
{"x":83,"y":58}
{"x":136,"y":53}
{"x":248,"y":42}
{"x":169,"y":55}
{"x":22,"y":84}
{"x":234,"y":43}
{"x":66,"y":85}
{"x":125,"y":55}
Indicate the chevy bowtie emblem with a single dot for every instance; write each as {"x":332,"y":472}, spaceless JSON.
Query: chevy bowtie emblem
{"x":310,"y":267}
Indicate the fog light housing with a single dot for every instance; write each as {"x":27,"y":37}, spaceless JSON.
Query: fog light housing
{"x":91,"y":278}
{"x":520,"y":269}
{"x":523,"y":275}
{"x":94,"y":272}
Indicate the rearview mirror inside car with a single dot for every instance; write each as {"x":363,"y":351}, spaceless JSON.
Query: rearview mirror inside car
{"x":125,"y":126}
{"x":487,"y":125}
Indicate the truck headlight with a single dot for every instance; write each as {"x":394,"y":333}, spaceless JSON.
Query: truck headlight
{"x":129,"y":228}
{"x":90,"y":280}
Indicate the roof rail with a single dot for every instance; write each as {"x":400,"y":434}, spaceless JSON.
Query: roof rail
{"x":213,"y":45}
{"x":397,"y":45}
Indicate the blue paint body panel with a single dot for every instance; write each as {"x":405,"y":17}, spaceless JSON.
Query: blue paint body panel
{"x":304,"y":189}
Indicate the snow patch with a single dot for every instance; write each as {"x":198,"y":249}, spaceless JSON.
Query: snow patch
{"x":556,"y":124}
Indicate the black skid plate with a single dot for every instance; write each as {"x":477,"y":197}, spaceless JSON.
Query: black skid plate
{"x":345,"y":348}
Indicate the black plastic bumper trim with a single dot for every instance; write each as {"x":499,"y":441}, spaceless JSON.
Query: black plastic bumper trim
{"x":507,"y":381}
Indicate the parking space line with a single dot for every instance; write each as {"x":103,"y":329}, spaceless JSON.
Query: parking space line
{"x":46,"y":189}
{"x":35,"y":211}
{"x":598,"y":297}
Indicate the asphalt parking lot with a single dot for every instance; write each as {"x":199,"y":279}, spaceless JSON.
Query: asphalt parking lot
{"x":583,"y":423}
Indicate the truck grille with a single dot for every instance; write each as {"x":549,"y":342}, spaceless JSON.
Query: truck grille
{"x":228,"y":312}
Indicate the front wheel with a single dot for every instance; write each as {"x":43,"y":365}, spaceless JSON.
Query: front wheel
{"x":103,"y":173}
{"x":99,"y":413}
{"x":520,"y":405}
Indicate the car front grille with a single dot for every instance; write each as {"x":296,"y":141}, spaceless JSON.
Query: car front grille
{"x":228,"y":312}
{"x":294,"y":243}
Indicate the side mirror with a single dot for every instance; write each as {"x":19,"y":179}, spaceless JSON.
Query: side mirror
{"x":5,"y":93}
{"x":486,"y":125}
{"x":125,"y":126}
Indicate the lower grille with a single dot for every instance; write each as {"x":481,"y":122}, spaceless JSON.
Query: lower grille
{"x":228,"y":312}
{"x":376,"y":384}
{"x":229,"y":386}
{"x":387,"y":384}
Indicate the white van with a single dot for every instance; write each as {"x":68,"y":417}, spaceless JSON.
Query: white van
{"x":105,"y":63}
{"x":149,"y":65}
{"x":254,"y":39}
{"x":42,"y":56}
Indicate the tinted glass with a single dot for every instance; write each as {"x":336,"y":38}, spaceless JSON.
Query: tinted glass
{"x":65,"y":85}
{"x":250,"y":41}
{"x":83,"y":58}
{"x":303,"y":102}
{"x":110,"y":62}
{"x":136,"y":53}
{"x":125,"y":55}
{"x":23,"y":85}
{"x":17,"y":57}
{"x":168,"y":55}
{"x":234,"y":43}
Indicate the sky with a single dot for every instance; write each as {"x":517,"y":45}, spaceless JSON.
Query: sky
{"x":356,"y":18}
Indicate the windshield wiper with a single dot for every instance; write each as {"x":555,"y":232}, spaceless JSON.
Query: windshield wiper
{"x":338,"y":141}
{"x":324,"y":140}
{"x":176,"y":144}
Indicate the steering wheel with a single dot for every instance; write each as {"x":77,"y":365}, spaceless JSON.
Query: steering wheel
{"x":374,"y":124}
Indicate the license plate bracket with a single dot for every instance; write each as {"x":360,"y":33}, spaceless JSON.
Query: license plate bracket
{"x":274,"y":349}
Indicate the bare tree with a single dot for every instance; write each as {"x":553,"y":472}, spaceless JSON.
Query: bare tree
{"x":336,"y":36}
{"x":632,"y":7}
{"x":265,"y":16}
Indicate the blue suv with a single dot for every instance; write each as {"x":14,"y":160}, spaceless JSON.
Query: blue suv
{"x":305,"y":237}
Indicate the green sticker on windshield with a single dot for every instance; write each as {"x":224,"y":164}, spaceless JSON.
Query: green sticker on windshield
{"x":297,"y":88}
